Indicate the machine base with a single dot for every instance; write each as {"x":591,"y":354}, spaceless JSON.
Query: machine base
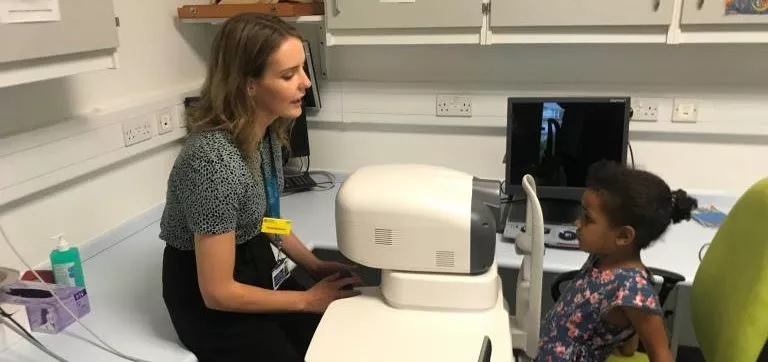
{"x":440,"y":291}
{"x":366,"y":328}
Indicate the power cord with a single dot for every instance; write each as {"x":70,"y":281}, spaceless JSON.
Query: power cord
{"x":24,"y":334}
{"x":8,"y":316}
{"x":631,"y":154}
{"x":109,"y":348}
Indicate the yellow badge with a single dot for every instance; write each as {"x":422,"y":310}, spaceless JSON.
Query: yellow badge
{"x":276,"y":226}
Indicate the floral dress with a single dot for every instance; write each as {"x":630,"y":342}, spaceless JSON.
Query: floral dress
{"x":574,"y":330}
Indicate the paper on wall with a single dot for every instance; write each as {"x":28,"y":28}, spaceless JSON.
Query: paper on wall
{"x":29,"y":11}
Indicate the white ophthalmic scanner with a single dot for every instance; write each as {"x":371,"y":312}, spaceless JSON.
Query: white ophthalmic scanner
{"x":432,"y":232}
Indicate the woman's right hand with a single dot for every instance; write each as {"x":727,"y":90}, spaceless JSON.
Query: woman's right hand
{"x":329,"y":289}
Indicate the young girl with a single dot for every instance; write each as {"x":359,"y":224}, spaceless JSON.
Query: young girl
{"x":611,"y":299}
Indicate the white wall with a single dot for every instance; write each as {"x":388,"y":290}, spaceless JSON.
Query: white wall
{"x":397,"y":84}
{"x":156,"y":55}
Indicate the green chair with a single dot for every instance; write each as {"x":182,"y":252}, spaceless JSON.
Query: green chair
{"x":729,"y":298}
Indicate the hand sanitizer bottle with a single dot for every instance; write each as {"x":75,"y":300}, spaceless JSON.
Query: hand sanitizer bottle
{"x":66,"y":265}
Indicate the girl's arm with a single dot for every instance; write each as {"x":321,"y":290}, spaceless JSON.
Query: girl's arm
{"x":650,"y":328}
{"x":629,"y":347}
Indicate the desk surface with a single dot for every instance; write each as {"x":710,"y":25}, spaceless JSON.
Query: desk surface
{"x":313,"y":220}
{"x":127,"y":310}
{"x":124,"y":287}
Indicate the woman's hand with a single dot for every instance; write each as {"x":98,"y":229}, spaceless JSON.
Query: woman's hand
{"x":329,"y":289}
{"x":324,"y":269}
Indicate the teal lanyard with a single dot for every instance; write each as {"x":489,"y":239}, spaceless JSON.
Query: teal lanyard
{"x":270,"y":183}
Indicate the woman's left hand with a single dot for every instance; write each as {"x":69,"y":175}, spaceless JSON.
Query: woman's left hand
{"x":325,"y":268}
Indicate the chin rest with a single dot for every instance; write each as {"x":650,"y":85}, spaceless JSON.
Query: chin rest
{"x":526,"y":322}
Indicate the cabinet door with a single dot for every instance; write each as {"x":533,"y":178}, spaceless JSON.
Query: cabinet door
{"x":558,"y":13}
{"x":403,"y":14}
{"x":709,"y":12}
{"x":86,"y":25}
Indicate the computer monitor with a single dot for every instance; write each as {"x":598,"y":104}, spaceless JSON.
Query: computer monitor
{"x":556,"y":139}
{"x":299,"y":139}
{"x":311,"y":100}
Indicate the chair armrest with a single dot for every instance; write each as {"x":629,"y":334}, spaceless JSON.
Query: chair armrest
{"x":564,"y":277}
{"x":670,"y":280}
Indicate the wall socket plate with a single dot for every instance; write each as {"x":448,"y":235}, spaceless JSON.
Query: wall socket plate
{"x":165,"y":122}
{"x":645,"y":109}
{"x":137,"y":129}
{"x":181,"y":116}
{"x":453,"y":106}
{"x":685,"y":111}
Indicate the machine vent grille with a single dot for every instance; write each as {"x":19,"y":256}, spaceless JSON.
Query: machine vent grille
{"x":386,"y":237}
{"x":444,"y":259}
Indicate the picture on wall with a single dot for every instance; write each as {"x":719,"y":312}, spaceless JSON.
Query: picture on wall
{"x":746,"y":7}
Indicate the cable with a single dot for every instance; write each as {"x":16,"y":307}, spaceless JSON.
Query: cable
{"x":631,"y":154}
{"x":109,"y":348}
{"x":32,"y":340}
{"x":8,"y":316}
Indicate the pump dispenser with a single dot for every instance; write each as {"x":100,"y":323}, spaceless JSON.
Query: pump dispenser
{"x":66,"y":264}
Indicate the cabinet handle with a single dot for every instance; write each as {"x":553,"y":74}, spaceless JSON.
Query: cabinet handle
{"x":336,"y":9}
{"x":700,"y":4}
{"x":656,"y":5}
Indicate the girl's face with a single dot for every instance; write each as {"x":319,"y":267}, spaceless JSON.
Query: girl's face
{"x":280,"y":91}
{"x":595,"y":232}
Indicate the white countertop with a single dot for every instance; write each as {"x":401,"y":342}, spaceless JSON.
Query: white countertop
{"x":127,"y":309}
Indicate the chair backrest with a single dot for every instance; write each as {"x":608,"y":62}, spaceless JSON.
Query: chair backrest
{"x":528,"y":289}
{"x":729,"y":298}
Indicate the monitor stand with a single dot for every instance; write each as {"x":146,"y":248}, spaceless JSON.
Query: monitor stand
{"x":560,"y":215}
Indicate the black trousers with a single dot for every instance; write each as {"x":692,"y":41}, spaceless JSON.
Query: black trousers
{"x":214,"y":335}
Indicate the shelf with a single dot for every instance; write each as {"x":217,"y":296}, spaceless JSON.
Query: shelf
{"x":295,"y":12}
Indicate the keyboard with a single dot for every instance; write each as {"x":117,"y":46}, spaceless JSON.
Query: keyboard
{"x":300,"y":182}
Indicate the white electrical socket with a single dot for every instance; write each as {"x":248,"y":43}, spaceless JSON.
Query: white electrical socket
{"x":645,"y":109}
{"x":181,"y":116}
{"x":685,"y":111}
{"x":453,"y":106}
{"x":137,"y":129}
{"x":165,"y":122}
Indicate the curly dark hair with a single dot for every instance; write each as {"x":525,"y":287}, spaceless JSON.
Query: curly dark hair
{"x":639,"y":199}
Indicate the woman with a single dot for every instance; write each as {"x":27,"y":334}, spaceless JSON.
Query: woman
{"x":221,"y":280}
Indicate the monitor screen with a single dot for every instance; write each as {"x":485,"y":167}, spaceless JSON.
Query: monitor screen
{"x":299,"y":139}
{"x":557,"y":139}
{"x":311,"y":98}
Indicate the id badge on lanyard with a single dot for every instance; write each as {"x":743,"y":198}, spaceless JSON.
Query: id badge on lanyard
{"x":272,"y":223}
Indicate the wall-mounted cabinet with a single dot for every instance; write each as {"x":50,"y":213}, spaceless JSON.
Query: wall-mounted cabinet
{"x":403,"y":21}
{"x":83,"y":39}
{"x":707,"y":21}
{"x":521,"y":21}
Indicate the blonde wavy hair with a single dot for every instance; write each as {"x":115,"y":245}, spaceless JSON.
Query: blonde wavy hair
{"x":240,"y":51}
